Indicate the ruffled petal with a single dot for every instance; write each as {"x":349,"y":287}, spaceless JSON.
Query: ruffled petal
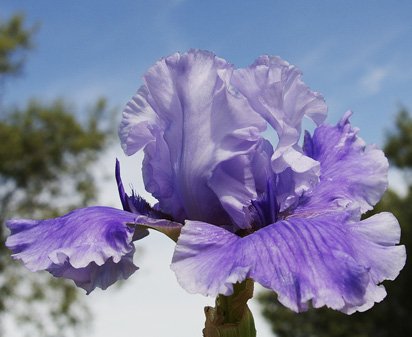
{"x":351,"y":173}
{"x":326,"y":259}
{"x":206,"y":259}
{"x":199,"y":124}
{"x":94,"y":276}
{"x":135,"y":129}
{"x":92,"y":246}
{"x":158,"y":178}
{"x":275,"y":90}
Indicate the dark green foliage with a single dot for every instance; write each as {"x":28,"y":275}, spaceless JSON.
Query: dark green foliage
{"x":15,"y":41}
{"x":46,"y":153}
{"x":390,"y":318}
{"x":398,"y":146}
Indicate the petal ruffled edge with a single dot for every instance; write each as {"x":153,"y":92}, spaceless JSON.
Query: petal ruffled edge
{"x":274,"y":88}
{"x":92,"y":246}
{"x":326,"y":259}
{"x":352,"y":174}
{"x":135,"y":128}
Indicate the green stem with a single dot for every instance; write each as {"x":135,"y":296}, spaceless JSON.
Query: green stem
{"x":231,"y":316}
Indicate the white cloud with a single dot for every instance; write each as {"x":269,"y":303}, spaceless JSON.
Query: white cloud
{"x":373,"y":80}
{"x":397,"y":181}
{"x":316,"y":56}
{"x":371,"y":50}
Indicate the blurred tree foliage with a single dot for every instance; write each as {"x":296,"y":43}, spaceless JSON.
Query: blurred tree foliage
{"x":15,"y":41}
{"x":391,"y":317}
{"x":46,"y":153}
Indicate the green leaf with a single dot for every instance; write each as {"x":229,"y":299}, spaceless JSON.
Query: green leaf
{"x":231,"y":316}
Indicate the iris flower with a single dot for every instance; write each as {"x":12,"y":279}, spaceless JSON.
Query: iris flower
{"x":237,"y":190}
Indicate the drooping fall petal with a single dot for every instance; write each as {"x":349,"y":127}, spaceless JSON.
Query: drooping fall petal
{"x":93,"y":246}
{"x":326,"y":259}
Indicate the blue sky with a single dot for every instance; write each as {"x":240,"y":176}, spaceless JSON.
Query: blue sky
{"x":356,"y":53}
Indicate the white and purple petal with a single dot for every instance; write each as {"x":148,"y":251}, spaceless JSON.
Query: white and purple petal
{"x":196,"y":122}
{"x":275,"y":90}
{"x":92,"y":246}
{"x":298,"y":175}
{"x":352,"y":174}
{"x":135,"y":129}
{"x":94,"y":276}
{"x":233,"y":183}
{"x":327,"y":259}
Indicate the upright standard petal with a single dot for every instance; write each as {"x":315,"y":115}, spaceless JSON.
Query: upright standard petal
{"x":200,"y":122}
{"x":92,"y":246}
{"x":326,"y":259}
{"x":275,"y":90}
{"x":351,"y":173}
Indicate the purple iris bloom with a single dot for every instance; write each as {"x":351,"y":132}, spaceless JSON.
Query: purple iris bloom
{"x":283,"y":214}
